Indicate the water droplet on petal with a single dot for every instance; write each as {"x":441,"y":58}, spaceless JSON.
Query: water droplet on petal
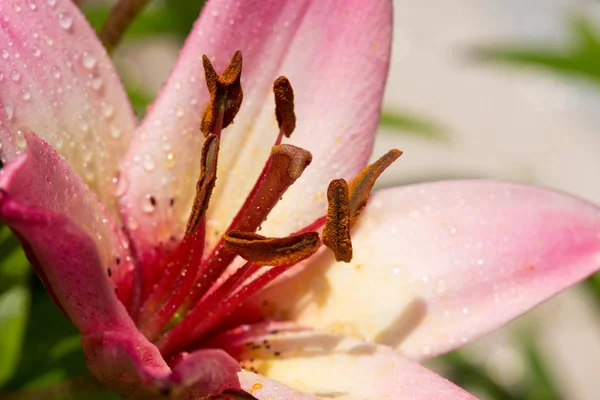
{"x":15,"y":75}
{"x":97,"y":83}
{"x":148,"y":163}
{"x":51,"y":3}
{"x":5,"y":54}
{"x":36,"y":51}
{"x":170,"y":161}
{"x":122,"y":186}
{"x":55,"y":71}
{"x":20,"y":140}
{"x":115,"y":131}
{"x":8,"y":109}
{"x":89,"y":61}
{"x":148,"y":204}
{"x":65,"y":21}
{"x":25,"y":94}
{"x":108,"y":110}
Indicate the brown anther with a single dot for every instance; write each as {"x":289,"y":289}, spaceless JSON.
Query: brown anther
{"x":336,"y":234}
{"x":284,"y":105}
{"x":226,"y":94}
{"x":360,"y":187}
{"x":262,"y":250}
{"x":206,"y":183}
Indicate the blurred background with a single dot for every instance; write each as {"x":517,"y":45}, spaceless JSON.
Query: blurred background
{"x":478,"y":88}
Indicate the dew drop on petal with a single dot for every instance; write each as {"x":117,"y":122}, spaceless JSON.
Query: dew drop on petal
{"x":20,"y":140}
{"x":36,"y":51}
{"x":89,"y":61}
{"x":108,"y":110}
{"x":115,"y":131}
{"x":97,"y":83}
{"x":148,"y":163}
{"x":5,"y":54}
{"x":170,"y":160}
{"x":15,"y":75}
{"x":65,"y":21}
{"x":9,"y":109}
{"x":122,"y":186}
{"x":149,"y":203}
{"x":55,"y":71}
{"x":25,"y":94}
{"x":51,"y":3}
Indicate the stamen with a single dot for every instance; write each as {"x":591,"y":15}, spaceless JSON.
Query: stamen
{"x":262,"y":250}
{"x":360,"y":187}
{"x":206,"y":183}
{"x":226,"y":95}
{"x":284,"y":106}
{"x":336,"y":234}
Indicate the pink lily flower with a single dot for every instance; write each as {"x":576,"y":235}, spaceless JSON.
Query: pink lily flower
{"x":117,"y":224}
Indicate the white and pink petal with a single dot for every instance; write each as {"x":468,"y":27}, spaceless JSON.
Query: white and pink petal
{"x":438,"y":265}
{"x":338,"y":68}
{"x":329,"y":366}
{"x":56,"y":80}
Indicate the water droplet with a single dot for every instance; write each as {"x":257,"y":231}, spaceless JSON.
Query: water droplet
{"x":132,"y":224}
{"x":148,"y":163}
{"x":55,"y":71}
{"x":8,"y":109}
{"x":25,"y":94}
{"x":97,"y":83}
{"x":65,"y":21}
{"x":108,"y":110}
{"x":51,"y":3}
{"x":148,"y":204}
{"x":441,"y":287}
{"x":215,"y":13}
{"x":480,"y":262}
{"x":20,"y":140}
{"x":36,"y":51}
{"x":180,"y":112}
{"x":15,"y":75}
{"x":115,"y":131}
{"x":88,"y":60}
{"x":49,"y":40}
{"x":170,"y":161}
{"x":5,"y":54}
{"x":17,"y":7}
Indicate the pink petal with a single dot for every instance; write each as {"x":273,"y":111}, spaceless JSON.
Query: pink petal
{"x":39,"y":178}
{"x":127,"y":363}
{"x":438,"y":265}
{"x":326,"y":365}
{"x":56,"y":79}
{"x":336,"y":55}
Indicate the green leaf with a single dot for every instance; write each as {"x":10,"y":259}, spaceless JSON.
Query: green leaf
{"x":173,"y":17}
{"x":581,"y":59}
{"x":51,"y":354}
{"x":14,"y":307}
{"x":412,"y":124}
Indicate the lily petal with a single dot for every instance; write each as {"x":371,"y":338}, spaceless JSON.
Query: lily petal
{"x":128,"y":363}
{"x":327,"y":365}
{"x":56,"y":79}
{"x":266,"y":389}
{"x":338,"y":67}
{"x":438,"y":265}
{"x":39,"y":178}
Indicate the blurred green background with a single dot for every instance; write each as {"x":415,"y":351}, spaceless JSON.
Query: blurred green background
{"x":40,"y":353}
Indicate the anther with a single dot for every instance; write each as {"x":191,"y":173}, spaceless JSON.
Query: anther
{"x":360,"y":187}
{"x":226,"y":95}
{"x":336,"y":234}
{"x":262,"y":250}
{"x":284,"y":105}
{"x":206,"y":183}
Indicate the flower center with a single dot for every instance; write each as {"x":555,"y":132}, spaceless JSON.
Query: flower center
{"x":196,"y":294}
